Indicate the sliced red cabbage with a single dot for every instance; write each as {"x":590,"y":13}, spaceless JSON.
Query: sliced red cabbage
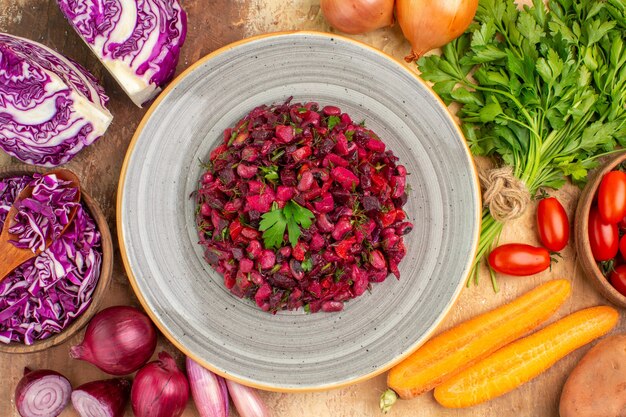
{"x":45,"y":214}
{"x":47,"y":293}
{"x":50,"y":107}
{"x":138,"y":41}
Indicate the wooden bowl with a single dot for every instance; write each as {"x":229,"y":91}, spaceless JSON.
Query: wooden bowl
{"x":581,"y":234}
{"x":106,"y":271}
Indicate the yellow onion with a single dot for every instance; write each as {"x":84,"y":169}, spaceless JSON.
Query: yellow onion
{"x":358,"y":16}
{"x":430,"y":24}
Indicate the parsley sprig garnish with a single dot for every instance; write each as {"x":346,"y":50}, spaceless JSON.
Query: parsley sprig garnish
{"x":291,"y":217}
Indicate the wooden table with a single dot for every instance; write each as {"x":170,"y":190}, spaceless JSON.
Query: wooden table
{"x":213,"y":24}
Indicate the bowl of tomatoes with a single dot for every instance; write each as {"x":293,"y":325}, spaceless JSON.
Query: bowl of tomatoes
{"x":600,"y":230}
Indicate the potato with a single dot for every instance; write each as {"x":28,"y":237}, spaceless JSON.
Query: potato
{"x":597,"y":386}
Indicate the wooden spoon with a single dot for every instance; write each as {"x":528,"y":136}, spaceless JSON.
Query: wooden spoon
{"x":10,"y":255}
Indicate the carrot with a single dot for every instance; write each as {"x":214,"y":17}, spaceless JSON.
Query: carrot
{"x":458,"y":348}
{"x":526,"y":358}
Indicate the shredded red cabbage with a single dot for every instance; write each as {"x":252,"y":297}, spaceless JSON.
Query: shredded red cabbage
{"x":45,"y":214}
{"x":47,"y":293}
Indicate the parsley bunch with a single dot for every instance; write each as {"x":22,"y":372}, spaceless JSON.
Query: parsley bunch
{"x":541,"y":89}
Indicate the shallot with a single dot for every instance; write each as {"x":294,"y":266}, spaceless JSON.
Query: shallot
{"x":246,"y":400}
{"x":106,"y":398}
{"x":430,"y":24}
{"x":208,"y":390}
{"x":358,"y":16}
{"x":160,"y":389}
{"x":118,"y":340}
{"x":42,"y":393}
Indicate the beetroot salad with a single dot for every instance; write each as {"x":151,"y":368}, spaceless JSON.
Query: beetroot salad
{"x":302,"y":207}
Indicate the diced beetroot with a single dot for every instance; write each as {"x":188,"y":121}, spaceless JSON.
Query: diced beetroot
{"x":345,"y":177}
{"x":378,"y":183}
{"x":341,"y":147}
{"x":342,"y":227}
{"x":261,"y":202}
{"x":262,"y":294}
{"x":315,"y":288}
{"x":284,"y":133}
{"x":377,"y":260}
{"x":249,"y":154}
{"x":306,"y":181}
{"x":256,"y":277}
{"x":360,"y":281}
{"x":247,"y":171}
{"x":285,"y":193}
{"x":404,"y":228}
{"x":332,"y":306}
{"x":229,"y":280}
{"x":377,"y":275}
{"x":397,"y":184}
{"x":215,"y":153}
{"x":254,"y":249}
{"x":235,"y":229}
{"x":301,"y":153}
{"x":255,"y":187}
{"x":313,"y":193}
{"x":331,"y":111}
{"x":285,"y":251}
{"x":400,"y":215}
{"x":326,"y":204}
{"x":267,"y":259}
{"x":375,"y":145}
{"x":343,"y":248}
{"x":250,"y":233}
{"x":246,"y":265}
{"x":317,"y":243}
{"x":300,"y":251}
{"x":234,"y":205}
{"x":387,"y":218}
{"x":332,"y":160}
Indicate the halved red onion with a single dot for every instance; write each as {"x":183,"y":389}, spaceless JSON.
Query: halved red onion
{"x":107,"y":398}
{"x":42,"y":393}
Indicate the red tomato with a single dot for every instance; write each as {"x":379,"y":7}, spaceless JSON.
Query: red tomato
{"x":618,"y":279}
{"x":553,"y":224}
{"x":612,"y":197}
{"x":622,"y":246}
{"x":519,"y":259}
{"x":603,"y":237}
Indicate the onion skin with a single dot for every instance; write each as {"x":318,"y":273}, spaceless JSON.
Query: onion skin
{"x":247,"y":400}
{"x":208,"y":390}
{"x":118,"y":340}
{"x":430,"y":24}
{"x":108,"y":397}
{"x":358,"y":16}
{"x":32,"y":384}
{"x":160,"y":389}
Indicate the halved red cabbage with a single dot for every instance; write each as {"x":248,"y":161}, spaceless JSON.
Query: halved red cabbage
{"x":138,"y":41}
{"x":43,"y":215}
{"x":47,"y":293}
{"x":50,"y":106}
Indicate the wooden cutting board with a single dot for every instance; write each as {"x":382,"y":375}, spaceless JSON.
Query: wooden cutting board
{"x":213,"y":24}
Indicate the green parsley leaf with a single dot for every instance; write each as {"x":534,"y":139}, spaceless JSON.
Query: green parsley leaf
{"x":333,"y":121}
{"x":291,"y":217}
{"x":307,"y":265}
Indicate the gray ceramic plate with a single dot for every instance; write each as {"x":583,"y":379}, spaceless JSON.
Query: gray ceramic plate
{"x":292,"y":350}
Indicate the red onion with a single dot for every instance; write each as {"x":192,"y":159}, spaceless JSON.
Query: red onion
{"x":42,"y":393}
{"x":106,"y":398}
{"x":119,"y":340}
{"x":160,"y":389}
{"x":208,"y":390}
{"x":246,"y":400}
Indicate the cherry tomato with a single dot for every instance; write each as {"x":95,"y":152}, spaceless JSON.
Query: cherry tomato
{"x":519,"y":259}
{"x":618,"y":279}
{"x":622,"y":246}
{"x":553,"y":224}
{"x":603,"y":237}
{"x":612,"y":197}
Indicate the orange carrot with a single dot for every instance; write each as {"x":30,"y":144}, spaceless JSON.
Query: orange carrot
{"x":458,"y":348}
{"x":526,"y":358}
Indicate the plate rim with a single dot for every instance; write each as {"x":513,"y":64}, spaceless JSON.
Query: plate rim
{"x":131,"y":277}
